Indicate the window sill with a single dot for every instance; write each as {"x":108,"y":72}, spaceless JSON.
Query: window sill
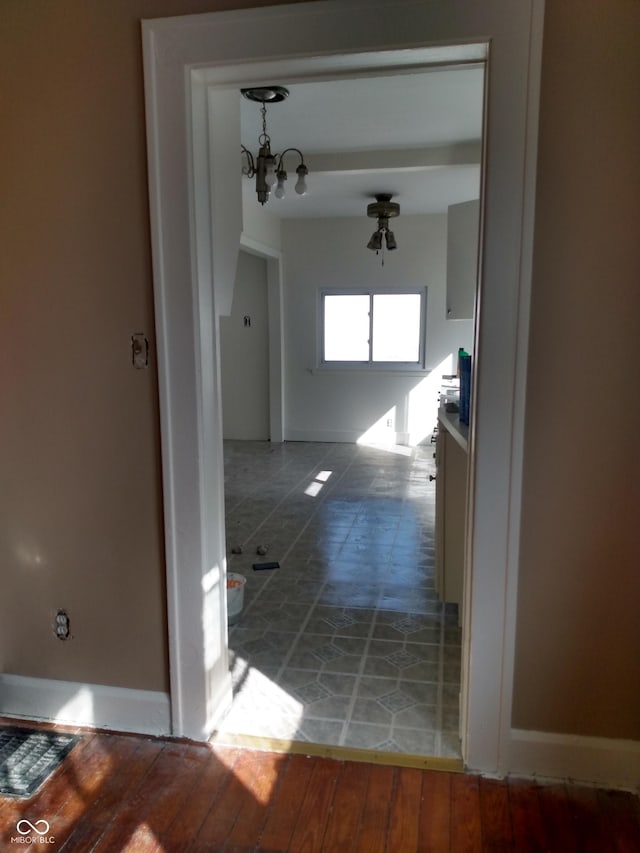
{"x":364,"y":369}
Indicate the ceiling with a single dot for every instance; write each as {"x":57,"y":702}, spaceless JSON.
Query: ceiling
{"x":414,"y":135}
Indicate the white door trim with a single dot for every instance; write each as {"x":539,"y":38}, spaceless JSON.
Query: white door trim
{"x":275,"y":308}
{"x":232,"y":47}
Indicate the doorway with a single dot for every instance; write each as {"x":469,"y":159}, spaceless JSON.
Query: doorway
{"x":244,"y":354}
{"x":182,"y":229}
{"x":401,"y":692}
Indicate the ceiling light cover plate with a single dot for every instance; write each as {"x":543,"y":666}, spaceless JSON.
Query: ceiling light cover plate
{"x":266,"y":94}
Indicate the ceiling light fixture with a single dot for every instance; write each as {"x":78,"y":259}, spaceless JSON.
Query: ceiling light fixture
{"x":267,"y":168}
{"x":382,"y":209}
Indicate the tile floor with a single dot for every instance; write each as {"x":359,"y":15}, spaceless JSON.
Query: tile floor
{"x":346,"y":643}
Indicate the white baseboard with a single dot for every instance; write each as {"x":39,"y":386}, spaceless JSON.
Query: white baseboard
{"x":348,"y":437}
{"x":93,"y":705}
{"x":600,"y":761}
{"x":328,"y":435}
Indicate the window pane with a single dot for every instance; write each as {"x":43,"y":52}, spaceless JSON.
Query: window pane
{"x":396,"y":327}
{"x":346,"y":327}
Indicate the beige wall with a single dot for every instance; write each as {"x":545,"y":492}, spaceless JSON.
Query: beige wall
{"x":80,"y":503}
{"x":578,"y":646}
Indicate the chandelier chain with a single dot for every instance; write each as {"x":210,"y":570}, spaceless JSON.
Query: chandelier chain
{"x":264,"y":138}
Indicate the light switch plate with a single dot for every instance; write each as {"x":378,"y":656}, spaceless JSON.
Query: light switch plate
{"x":139,"y":350}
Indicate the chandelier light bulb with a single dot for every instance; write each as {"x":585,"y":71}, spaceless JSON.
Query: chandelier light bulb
{"x":270,"y":172}
{"x":280,"y":189}
{"x":301,"y":183}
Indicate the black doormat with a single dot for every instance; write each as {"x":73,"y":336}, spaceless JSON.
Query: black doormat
{"x":29,"y":756}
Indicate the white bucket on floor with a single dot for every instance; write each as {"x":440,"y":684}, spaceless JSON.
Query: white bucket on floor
{"x":235,"y":596}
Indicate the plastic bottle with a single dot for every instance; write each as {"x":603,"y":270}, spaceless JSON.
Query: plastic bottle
{"x":461,"y":352}
{"x":465,"y":388}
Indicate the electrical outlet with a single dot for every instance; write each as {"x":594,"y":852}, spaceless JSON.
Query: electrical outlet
{"x":61,"y":626}
{"x":389,"y":422}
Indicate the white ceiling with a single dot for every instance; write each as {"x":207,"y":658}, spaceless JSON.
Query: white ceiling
{"x":416,"y":136}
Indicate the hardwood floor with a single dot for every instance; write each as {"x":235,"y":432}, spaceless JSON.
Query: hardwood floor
{"x":118,"y":793}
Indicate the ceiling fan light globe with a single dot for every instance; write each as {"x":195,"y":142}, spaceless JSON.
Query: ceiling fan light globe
{"x":375,"y":243}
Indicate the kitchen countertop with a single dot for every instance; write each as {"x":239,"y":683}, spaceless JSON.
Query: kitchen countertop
{"x":451,"y":422}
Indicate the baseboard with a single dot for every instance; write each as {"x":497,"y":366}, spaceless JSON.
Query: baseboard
{"x":601,"y":761}
{"x":323,"y":435}
{"x":93,"y":705}
{"x":387,"y":438}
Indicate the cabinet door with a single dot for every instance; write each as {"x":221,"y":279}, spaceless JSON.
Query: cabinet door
{"x":440,"y":468}
{"x":455,"y":487}
{"x":462,"y":259}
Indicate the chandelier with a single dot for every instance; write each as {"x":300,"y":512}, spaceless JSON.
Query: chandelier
{"x":267,"y":168}
{"x":382,"y":209}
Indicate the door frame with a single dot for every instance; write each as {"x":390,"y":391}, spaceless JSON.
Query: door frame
{"x":184,"y":60}
{"x":275,"y":319}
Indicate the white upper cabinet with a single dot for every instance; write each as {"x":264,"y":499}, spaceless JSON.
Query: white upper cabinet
{"x":462,"y":259}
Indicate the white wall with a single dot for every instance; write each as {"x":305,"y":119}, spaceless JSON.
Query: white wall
{"x":244,"y":354}
{"x":259,"y":224}
{"x":338,"y":405}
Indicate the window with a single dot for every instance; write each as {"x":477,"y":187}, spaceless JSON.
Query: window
{"x":373,"y":327}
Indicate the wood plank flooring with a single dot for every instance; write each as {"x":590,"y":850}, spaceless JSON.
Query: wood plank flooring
{"x":118,"y":793}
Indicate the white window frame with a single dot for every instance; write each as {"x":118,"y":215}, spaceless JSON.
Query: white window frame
{"x":410,"y":366}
